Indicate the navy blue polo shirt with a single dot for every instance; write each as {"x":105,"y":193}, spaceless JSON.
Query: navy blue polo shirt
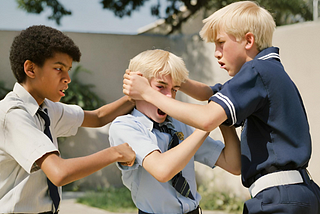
{"x":263,"y":99}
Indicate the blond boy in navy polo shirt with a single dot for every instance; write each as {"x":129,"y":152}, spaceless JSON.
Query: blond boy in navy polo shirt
{"x":261,"y":97}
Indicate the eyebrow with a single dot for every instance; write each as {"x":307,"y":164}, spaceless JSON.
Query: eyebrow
{"x":164,"y":83}
{"x":217,"y":39}
{"x":64,"y":65}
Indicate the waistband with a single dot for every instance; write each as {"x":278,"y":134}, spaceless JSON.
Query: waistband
{"x":279,"y":178}
{"x":198,"y":210}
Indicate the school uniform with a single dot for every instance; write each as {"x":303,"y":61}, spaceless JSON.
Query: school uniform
{"x":23,"y":185}
{"x":148,"y":194}
{"x":275,"y":138}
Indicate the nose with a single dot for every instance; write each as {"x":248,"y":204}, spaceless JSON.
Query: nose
{"x":167,"y":92}
{"x":67,"y":79}
{"x":217,"y":54}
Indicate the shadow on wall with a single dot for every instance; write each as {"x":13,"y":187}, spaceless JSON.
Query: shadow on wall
{"x":88,"y":141}
{"x":200,"y":61}
{"x":195,"y":55}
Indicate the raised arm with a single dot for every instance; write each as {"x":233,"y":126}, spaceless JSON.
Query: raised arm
{"x":230,"y":157}
{"x":197,"y":90}
{"x":163,"y":166}
{"x":108,"y":112}
{"x":204,"y":117}
{"x":63,"y":171}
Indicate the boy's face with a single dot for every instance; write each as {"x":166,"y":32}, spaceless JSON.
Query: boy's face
{"x":164,"y":85}
{"x":52,"y":79}
{"x":231,"y":54}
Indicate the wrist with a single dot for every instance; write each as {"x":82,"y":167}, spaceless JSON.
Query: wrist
{"x":131,"y":101}
{"x":115,"y":154}
{"x":149,"y":94}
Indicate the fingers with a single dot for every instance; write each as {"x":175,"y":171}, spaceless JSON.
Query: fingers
{"x":126,"y":87}
{"x":129,"y":163}
{"x":129,"y":72}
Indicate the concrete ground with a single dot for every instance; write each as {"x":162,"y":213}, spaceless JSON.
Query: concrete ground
{"x":69,"y":206}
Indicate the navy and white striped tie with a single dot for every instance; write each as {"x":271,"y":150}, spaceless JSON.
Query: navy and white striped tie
{"x":178,"y":181}
{"x":53,"y":189}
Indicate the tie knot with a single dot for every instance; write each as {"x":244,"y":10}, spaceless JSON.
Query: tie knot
{"x":44,"y":116}
{"x":163,"y":128}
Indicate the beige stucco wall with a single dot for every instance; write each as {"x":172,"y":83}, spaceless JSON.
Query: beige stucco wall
{"x":300,"y":53}
{"x":108,"y":57}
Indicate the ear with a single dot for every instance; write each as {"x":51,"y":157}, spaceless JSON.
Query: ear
{"x":29,"y":68}
{"x":249,"y":37}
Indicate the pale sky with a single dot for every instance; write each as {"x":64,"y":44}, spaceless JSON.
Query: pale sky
{"x":87,"y":16}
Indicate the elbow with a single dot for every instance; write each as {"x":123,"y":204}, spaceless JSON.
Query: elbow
{"x":162,"y":179}
{"x":58,"y":181}
{"x":235,"y":170}
{"x":207,"y":125}
{"x":59,"y":178}
{"x":163,"y":175}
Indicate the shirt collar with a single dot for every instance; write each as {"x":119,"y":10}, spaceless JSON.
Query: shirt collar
{"x":29,"y":102}
{"x":268,"y":53}
{"x":147,"y":122}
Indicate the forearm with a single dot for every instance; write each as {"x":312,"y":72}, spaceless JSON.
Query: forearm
{"x":197,"y":90}
{"x":63,"y":171}
{"x":163,"y":166}
{"x":108,"y":112}
{"x":231,"y":155}
{"x":205,"y":117}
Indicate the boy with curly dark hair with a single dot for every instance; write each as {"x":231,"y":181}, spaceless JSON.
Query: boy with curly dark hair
{"x":31,"y":119}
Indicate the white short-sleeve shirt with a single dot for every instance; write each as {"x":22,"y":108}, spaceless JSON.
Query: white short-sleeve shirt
{"x":23,"y":186}
{"x":148,"y":194}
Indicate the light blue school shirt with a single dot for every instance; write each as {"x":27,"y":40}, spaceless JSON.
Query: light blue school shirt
{"x":148,"y":194}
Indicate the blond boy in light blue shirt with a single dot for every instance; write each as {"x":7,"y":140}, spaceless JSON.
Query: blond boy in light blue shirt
{"x":150,"y":178}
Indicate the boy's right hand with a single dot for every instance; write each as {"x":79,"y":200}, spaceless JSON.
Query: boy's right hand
{"x":134,"y":85}
{"x":127,"y":155}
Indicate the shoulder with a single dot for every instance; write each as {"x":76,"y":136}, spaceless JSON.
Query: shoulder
{"x":11,"y":101}
{"x":124,"y":119}
{"x":58,"y":109}
{"x":12,"y":107}
{"x":127,"y":120}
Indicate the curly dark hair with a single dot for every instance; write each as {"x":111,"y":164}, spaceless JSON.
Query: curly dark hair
{"x":38,"y":43}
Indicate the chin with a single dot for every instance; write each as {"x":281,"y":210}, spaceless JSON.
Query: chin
{"x":159,"y":119}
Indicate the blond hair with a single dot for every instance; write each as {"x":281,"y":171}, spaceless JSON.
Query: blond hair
{"x":155,"y":63}
{"x":239,"y":18}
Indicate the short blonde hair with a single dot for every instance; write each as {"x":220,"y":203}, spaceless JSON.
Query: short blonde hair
{"x":239,"y":18}
{"x":154,"y":63}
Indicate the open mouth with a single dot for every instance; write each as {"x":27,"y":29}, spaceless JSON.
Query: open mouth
{"x":161,"y":112}
{"x":62,"y":92}
{"x":221,"y":64}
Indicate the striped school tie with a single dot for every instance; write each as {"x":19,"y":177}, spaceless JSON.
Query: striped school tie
{"x":53,"y":189}
{"x":178,"y":181}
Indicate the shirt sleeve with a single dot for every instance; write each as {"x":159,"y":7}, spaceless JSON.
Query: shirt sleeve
{"x":66,"y":119}
{"x":23,"y":140}
{"x":142,"y":141}
{"x":242,"y":95}
{"x":209,"y":152}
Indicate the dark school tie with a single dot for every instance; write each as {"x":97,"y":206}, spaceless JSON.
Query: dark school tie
{"x":178,"y":181}
{"x":53,"y":189}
